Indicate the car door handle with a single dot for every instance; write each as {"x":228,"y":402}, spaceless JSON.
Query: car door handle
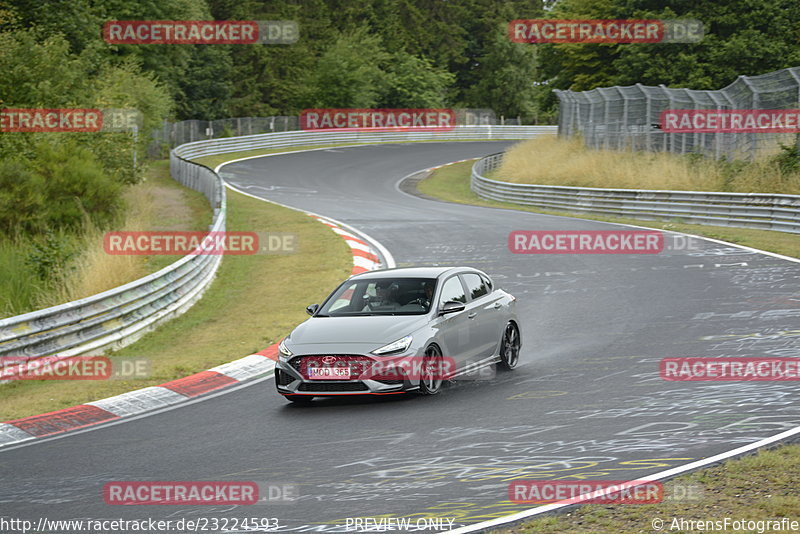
{"x":472,"y":315}
{"x":497,"y":305}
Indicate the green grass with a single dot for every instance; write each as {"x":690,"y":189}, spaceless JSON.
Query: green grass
{"x":196,"y":215}
{"x":254,"y":301}
{"x":20,"y":288}
{"x":451,"y":184}
{"x":756,"y":487}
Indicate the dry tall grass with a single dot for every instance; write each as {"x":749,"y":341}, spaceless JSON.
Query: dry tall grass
{"x":95,"y":271}
{"x":554,"y":161}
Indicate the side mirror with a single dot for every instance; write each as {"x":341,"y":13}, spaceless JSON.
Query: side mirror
{"x":311,"y":310}
{"x":452,"y":306}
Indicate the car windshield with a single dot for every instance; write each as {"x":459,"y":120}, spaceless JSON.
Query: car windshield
{"x":381,"y":296}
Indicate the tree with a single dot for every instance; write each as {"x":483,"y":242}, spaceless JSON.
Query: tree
{"x":348,"y":74}
{"x":505,"y":75}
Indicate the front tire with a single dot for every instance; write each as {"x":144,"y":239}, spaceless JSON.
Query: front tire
{"x":509,"y":347}
{"x":433,"y":364}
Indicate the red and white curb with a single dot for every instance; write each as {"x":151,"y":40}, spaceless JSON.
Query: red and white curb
{"x":183,"y":389}
{"x":364,"y":258}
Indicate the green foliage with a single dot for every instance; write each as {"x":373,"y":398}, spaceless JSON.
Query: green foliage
{"x":22,"y":198}
{"x":505,"y":78}
{"x":63,"y":187}
{"x":788,"y":159}
{"x":741,"y":37}
{"x":19,"y":286}
{"x":348,"y":75}
{"x":413,"y":82}
{"x":76,"y":187}
{"x":358,"y":72}
{"x":46,"y":74}
{"x":50,"y":255}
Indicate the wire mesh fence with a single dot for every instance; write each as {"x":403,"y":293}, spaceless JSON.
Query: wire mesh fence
{"x":630,"y":118}
{"x":172,"y":134}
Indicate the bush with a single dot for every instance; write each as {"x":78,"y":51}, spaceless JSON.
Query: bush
{"x":50,"y":255}
{"x":76,"y":186}
{"x":22,"y":198}
{"x":788,"y":159}
{"x":63,"y":188}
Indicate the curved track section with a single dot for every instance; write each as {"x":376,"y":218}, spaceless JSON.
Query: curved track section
{"x":585,"y":402}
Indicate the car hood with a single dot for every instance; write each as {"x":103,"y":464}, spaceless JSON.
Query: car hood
{"x":365,"y":329}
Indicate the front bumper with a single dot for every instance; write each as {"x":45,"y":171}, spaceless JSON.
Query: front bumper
{"x":291,"y":379}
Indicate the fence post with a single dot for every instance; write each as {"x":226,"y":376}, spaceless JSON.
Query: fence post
{"x":753,"y":105}
{"x":797,"y":81}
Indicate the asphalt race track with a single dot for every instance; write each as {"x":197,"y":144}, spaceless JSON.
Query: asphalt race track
{"x":586,"y":402}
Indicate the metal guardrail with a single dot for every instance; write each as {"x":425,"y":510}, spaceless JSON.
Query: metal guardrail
{"x":119,"y":316}
{"x":316,"y":138}
{"x":747,"y":210}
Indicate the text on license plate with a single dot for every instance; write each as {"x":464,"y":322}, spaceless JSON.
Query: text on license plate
{"x":329,"y":373}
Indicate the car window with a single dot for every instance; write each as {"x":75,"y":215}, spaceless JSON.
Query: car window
{"x":344,"y":299}
{"x":475,"y":285}
{"x":381,"y":296}
{"x":452,"y":290}
{"x":488,"y":282}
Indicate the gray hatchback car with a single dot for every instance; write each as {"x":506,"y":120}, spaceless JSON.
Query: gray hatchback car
{"x":399,"y":330}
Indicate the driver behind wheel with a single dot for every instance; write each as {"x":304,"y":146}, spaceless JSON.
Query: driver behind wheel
{"x":385,"y":297}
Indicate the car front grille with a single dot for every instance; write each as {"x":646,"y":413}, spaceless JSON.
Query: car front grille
{"x":333,"y":386}
{"x":356,"y":362}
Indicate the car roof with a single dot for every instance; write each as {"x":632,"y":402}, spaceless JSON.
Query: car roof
{"x":413,"y":272}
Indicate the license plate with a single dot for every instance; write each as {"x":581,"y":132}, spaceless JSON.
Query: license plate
{"x":329,"y":373}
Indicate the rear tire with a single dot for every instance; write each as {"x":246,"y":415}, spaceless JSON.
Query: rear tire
{"x":509,"y":347}
{"x":430,"y":382}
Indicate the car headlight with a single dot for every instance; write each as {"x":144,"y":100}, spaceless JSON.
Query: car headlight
{"x":283,"y":350}
{"x":396,"y":346}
